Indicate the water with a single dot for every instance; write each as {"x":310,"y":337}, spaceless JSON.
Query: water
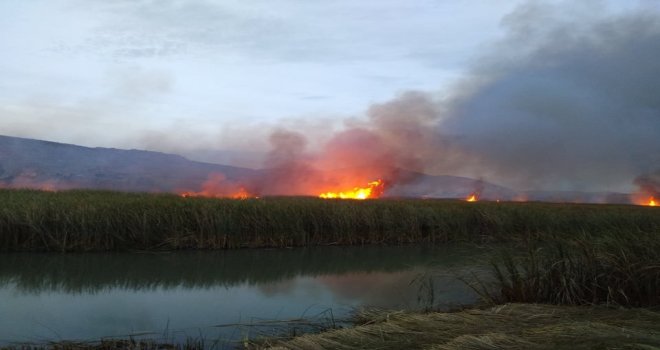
{"x":175,"y":296}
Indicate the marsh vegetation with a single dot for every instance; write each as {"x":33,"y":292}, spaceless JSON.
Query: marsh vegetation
{"x":114,"y":221}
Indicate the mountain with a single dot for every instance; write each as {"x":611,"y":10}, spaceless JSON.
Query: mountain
{"x":29,"y":163}
{"x":50,"y":165}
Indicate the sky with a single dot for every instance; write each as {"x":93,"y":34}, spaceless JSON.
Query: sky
{"x":110,"y":73}
{"x":213,"y":80}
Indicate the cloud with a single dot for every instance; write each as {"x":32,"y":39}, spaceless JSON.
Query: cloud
{"x":282,"y":30}
{"x":101,"y":116}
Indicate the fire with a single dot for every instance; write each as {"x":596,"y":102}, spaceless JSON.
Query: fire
{"x":242,"y":193}
{"x":373,"y":190}
{"x":218,"y":186}
{"x":642,"y":199}
{"x":472,"y":198}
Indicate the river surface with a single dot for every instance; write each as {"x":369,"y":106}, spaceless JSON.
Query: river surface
{"x":220,"y":296}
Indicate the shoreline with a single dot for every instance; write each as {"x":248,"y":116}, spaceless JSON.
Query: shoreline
{"x":506,"y":326}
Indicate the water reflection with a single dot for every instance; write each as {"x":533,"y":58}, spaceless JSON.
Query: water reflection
{"x":87,"y":273}
{"x":88,"y":296}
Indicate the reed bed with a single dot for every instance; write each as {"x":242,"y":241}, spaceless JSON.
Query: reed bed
{"x":113,"y":221}
{"x":609,"y":269}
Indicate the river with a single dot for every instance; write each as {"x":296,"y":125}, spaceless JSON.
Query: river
{"x":220,"y":296}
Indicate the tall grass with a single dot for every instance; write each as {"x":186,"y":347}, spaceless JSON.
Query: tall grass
{"x":611,"y":270}
{"x":112,"y":221}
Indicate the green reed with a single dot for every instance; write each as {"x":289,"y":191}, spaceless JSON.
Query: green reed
{"x":610,"y":269}
{"x":114,"y":221}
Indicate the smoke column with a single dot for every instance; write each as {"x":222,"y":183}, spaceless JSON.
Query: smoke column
{"x":559,"y":104}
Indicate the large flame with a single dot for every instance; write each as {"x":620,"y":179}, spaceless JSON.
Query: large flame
{"x":373,"y":190}
{"x":472,"y":198}
{"x":645,"y":199}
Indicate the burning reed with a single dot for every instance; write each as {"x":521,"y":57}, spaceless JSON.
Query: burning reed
{"x":113,"y":221}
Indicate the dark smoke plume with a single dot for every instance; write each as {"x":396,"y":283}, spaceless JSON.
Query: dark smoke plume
{"x":563,"y":103}
{"x":649,"y":184}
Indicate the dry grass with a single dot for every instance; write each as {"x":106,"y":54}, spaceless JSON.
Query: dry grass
{"x":510,"y":326}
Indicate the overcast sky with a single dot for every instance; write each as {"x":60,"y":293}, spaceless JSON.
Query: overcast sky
{"x":112,"y":73}
{"x":213,"y":79}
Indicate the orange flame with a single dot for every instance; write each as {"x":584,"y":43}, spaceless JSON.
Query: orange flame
{"x":373,"y":190}
{"x":242,"y":193}
{"x":472,"y":198}
{"x":218,"y":186}
{"x":642,"y":199}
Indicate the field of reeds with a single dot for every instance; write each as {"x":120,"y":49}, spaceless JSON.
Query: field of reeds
{"x":610,"y":270}
{"x":113,"y":221}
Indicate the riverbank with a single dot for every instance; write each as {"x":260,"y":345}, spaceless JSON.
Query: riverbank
{"x":73,"y":221}
{"x":587,"y":292}
{"x":509,"y":326}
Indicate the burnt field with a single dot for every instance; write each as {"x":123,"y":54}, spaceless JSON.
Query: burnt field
{"x":113,"y":221}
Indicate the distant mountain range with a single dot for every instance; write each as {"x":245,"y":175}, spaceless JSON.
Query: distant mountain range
{"x":29,"y":163}
{"x":42,"y":164}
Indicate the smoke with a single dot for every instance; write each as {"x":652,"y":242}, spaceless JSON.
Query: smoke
{"x":397,"y":135}
{"x":649,"y":184}
{"x":563,"y":103}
